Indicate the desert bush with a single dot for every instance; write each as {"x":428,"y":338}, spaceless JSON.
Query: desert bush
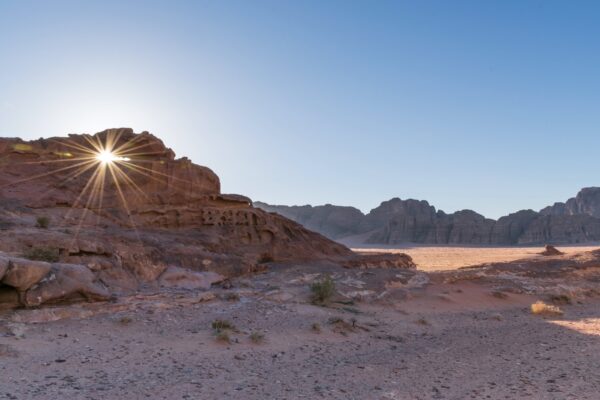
{"x":42,"y":222}
{"x":223,"y":336}
{"x":322,"y":290}
{"x":222,"y":325}
{"x":265,"y":258}
{"x":42,"y":254}
{"x":560,"y":299}
{"x":499,"y":294}
{"x":541,"y":308}
{"x":232,"y":296}
{"x":125,"y":320}
{"x":257,"y":337}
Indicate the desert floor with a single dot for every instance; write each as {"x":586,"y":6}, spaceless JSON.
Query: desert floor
{"x":434,"y":258}
{"x":452,"y":341}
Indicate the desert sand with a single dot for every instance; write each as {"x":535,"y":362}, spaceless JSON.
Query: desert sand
{"x":448,"y":339}
{"x":439,"y":258}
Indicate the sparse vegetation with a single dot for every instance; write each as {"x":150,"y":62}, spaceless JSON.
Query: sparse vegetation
{"x":499,"y":294}
{"x":265,"y":258}
{"x":232,"y":296}
{"x":341,"y":326}
{"x":125,"y":320}
{"x":322,"y":290}
{"x":222,"y":325}
{"x":223,"y":336}
{"x":422,"y":321}
{"x":316,"y":327}
{"x":541,"y":308}
{"x":257,"y":337}
{"x":42,"y":254}
{"x":42,"y":222}
{"x":560,"y":299}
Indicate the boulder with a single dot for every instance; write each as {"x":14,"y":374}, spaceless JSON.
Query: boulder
{"x":22,"y":274}
{"x":4,"y":262}
{"x":551,"y":251}
{"x":66,"y":282}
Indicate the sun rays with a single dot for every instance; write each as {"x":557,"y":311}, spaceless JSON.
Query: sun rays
{"x":111,"y":166}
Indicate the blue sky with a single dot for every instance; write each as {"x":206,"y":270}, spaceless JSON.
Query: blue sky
{"x":492,"y":106}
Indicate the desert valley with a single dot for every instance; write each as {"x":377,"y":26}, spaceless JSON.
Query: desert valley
{"x":126,"y":273}
{"x":299,"y":199}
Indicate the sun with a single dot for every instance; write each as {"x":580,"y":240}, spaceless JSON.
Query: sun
{"x":108,"y":157}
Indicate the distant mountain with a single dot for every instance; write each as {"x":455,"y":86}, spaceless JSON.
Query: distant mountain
{"x":399,"y":221}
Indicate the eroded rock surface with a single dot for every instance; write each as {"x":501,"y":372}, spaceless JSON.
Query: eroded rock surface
{"x":398,"y":221}
{"x":137,"y":221}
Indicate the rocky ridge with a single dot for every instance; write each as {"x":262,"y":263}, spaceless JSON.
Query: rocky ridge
{"x":75,"y":228}
{"x":399,"y":221}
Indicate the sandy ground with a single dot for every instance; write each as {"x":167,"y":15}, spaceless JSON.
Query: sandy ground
{"x":432,"y":258}
{"x":453,"y":341}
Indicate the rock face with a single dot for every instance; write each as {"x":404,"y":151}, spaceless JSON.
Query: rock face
{"x":99,"y":228}
{"x":587,"y":202}
{"x":331,"y":221}
{"x":399,"y":221}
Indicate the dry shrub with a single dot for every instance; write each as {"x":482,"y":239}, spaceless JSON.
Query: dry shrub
{"x":560,"y":299}
{"x":222,"y":325}
{"x":257,"y":337}
{"x":42,"y":254}
{"x":223,"y":337}
{"x":42,"y":222}
{"x":322,"y":290}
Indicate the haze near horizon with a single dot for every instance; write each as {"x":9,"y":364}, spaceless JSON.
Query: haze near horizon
{"x":486,"y":106}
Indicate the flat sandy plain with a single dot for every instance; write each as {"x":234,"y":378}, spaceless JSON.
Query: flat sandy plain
{"x":434,"y":258}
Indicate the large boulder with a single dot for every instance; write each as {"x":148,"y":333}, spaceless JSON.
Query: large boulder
{"x":66,"y":282}
{"x":22,"y":274}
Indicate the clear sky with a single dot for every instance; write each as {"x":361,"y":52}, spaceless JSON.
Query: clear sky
{"x":488,"y":105}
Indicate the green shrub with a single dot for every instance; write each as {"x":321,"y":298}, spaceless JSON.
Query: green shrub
{"x":322,"y":290}
{"x":42,"y":254}
{"x":222,"y":325}
{"x":42,"y":222}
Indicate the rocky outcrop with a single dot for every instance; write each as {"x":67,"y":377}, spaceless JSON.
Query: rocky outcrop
{"x":143,"y":219}
{"x":399,"y":221}
{"x":551,"y":251}
{"x":587,"y":202}
{"x":331,"y":221}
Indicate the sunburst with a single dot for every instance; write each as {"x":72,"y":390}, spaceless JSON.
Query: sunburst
{"x":106,"y":158}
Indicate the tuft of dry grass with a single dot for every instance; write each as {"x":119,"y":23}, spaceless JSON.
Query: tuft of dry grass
{"x":42,"y":254}
{"x":257,"y":337}
{"x":315,"y":327}
{"x":125,"y":320}
{"x":232,"y":296}
{"x":499,"y":294}
{"x":223,"y":337}
{"x":42,"y":222}
{"x":422,"y":321}
{"x":541,"y":308}
{"x":560,"y":299}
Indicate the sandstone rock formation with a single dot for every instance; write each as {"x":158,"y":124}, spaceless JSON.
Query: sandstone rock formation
{"x":550,"y":250}
{"x":331,"y":221}
{"x":105,"y":228}
{"x":587,"y":202}
{"x":399,"y":221}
